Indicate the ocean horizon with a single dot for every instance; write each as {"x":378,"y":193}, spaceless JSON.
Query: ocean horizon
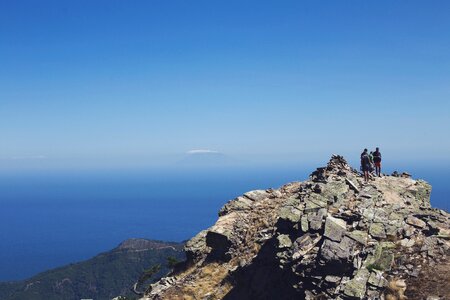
{"x":50,"y":219}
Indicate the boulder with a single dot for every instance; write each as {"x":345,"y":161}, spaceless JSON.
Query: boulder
{"x":196,"y":246}
{"x":304,"y":223}
{"x":220,"y":242}
{"x":257,"y":195}
{"x":238,"y":204}
{"x":411,"y":220}
{"x":356,"y":287}
{"x":377,"y":279}
{"x":338,"y":251}
{"x":284,"y":241}
{"x":358,"y":235}
{"x":334,"y":228}
{"x":315,"y":222}
{"x":352,"y":185}
{"x":377,"y":230}
{"x":304,"y":244}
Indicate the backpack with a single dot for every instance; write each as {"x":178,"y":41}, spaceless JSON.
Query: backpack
{"x":365,"y":159}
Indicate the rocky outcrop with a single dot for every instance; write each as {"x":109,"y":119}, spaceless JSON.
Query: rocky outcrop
{"x":330,"y":237}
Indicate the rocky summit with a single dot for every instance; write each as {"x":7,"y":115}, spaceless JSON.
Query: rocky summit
{"x":330,"y":237}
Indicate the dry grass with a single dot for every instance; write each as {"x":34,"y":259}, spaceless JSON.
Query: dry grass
{"x":396,"y":289}
{"x":210,"y":278}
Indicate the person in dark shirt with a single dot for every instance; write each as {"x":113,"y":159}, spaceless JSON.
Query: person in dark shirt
{"x":365,"y":165}
{"x":377,"y":161}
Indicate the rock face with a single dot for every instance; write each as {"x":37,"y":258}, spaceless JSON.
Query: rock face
{"x":330,"y":237}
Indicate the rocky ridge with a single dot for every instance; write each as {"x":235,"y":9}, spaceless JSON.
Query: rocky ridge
{"x":330,"y":237}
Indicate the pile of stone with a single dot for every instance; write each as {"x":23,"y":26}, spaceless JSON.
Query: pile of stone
{"x":330,"y":237}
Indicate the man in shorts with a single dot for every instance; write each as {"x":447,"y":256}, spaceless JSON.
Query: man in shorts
{"x":377,"y":161}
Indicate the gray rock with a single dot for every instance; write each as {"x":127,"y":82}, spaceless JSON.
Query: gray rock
{"x":305,"y":244}
{"x":196,"y":246}
{"x":284,"y":241}
{"x":238,"y":204}
{"x":408,"y":243}
{"x":377,"y":279}
{"x":382,"y":260}
{"x":257,"y":195}
{"x":377,"y":230}
{"x":334,"y":228}
{"x":332,"y":279}
{"x":352,"y":185}
{"x":338,"y":251}
{"x":288,"y":216}
{"x":356,"y":287}
{"x":359,"y":236}
{"x":315,"y":222}
{"x":408,"y":230}
{"x":304,"y":223}
{"x":411,"y":220}
{"x":220,"y":243}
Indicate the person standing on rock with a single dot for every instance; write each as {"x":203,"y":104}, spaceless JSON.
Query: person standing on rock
{"x":365,"y":165}
{"x":371,"y":163}
{"x":377,"y":161}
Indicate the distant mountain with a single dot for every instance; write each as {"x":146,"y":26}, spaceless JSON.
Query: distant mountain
{"x":104,"y":276}
{"x":206,"y":158}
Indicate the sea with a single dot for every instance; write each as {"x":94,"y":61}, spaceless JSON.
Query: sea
{"x":50,"y":219}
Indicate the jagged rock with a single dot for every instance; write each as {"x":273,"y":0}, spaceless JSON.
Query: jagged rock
{"x":284,"y":241}
{"x":358,"y":235}
{"x":334,"y":228}
{"x":316,"y":220}
{"x":406,"y":175}
{"x":352,"y":185}
{"x":338,"y":251}
{"x":304,"y":244}
{"x":408,"y":243}
{"x":356,"y":287}
{"x":238,"y":204}
{"x":257,"y":195}
{"x":415,"y":222}
{"x":304,"y":223}
{"x":330,"y":237}
{"x":196,"y":246}
{"x":377,"y":279}
{"x":377,"y":231}
{"x":332,"y":279}
{"x":382,"y":260}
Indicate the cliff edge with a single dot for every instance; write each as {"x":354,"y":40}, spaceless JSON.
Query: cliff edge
{"x":330,"y":237}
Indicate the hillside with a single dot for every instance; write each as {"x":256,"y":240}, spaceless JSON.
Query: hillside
{"x":330,"y":237}
{"x":101,"y":277}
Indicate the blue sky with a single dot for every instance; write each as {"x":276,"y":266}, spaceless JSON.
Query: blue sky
{"x":126,"y":83}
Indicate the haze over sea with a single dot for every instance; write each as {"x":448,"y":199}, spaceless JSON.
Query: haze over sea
{"x":99,"y":99}
{"x":49,"y":219}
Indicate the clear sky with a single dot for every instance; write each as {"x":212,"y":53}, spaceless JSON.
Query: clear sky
{"x":88,"y":82}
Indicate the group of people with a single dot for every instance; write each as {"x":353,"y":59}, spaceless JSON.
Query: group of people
{"x":371,"y":162}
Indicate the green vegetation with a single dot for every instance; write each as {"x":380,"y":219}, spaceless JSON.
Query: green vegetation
{"x":104,"y":276}
{"x":172,"y":262}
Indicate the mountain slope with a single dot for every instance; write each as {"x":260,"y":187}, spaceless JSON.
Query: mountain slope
{"x":101,"y":277}
{"x":330,"y":237}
